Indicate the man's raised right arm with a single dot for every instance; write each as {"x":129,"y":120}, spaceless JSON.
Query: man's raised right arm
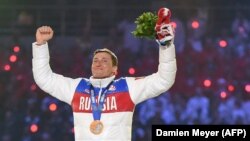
{"x":56,"y":85}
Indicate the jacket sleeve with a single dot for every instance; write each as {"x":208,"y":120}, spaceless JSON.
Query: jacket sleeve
{"x":56,"y":85}
{"x":157,"y":83}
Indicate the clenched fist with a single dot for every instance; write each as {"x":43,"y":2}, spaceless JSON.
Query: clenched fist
{"x":44,"y":34}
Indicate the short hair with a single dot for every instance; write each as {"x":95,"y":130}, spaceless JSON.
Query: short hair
{"x":113,"y":56}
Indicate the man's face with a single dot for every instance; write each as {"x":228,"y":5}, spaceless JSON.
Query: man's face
{"x":102,"y":66}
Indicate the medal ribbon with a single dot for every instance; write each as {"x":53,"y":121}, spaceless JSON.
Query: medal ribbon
{"x":97,"y":107}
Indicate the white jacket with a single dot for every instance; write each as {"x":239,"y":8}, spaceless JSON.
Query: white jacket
{"x":117,"y":125}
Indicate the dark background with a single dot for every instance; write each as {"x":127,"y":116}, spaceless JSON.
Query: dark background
{"x":82,"y":26}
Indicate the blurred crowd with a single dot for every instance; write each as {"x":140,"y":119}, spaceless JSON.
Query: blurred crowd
{"x":212,"y":83}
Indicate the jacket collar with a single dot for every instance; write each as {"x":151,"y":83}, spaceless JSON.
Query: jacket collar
{"x":101,"y":82}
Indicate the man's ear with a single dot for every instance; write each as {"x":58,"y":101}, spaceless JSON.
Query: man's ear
{"x":115,"y":68}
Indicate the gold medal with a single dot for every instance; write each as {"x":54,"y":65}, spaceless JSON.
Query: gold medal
{"x":96,"y":127}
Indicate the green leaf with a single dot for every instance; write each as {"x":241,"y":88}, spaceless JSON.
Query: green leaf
{"x":145,"y":24}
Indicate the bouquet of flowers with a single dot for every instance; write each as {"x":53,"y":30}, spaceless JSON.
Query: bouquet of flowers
{"x":155,"y":26}
{"x":145,"y":26}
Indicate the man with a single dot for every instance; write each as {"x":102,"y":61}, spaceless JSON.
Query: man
{"x":102,"y":105}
